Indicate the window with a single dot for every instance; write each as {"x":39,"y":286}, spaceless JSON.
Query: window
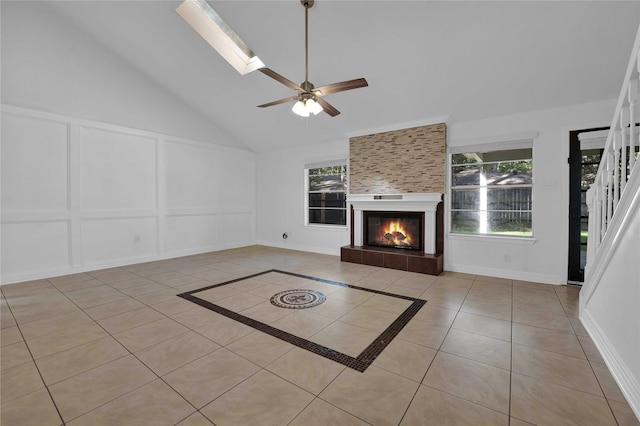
{"x":326,"y":194}
{"x":491,"y":192}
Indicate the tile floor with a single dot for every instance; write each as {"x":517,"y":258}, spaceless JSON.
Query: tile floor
{"x":118,"y":346}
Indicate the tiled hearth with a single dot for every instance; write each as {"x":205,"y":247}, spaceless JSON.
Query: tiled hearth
{"x":119,"y":346}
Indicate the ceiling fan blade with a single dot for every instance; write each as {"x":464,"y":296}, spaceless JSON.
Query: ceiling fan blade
{"x":274,"y":75}
{"x":339,"y":87}
{"x":278,"y":102}
{"x":327,"y":107}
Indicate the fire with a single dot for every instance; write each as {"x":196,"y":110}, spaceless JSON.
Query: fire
{"x":395,"y":234}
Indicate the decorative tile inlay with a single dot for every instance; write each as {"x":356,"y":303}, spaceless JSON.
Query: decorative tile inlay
{"x":359,"y":363}
{"x":298,"y":299}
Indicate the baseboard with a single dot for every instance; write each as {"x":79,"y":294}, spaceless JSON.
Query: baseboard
{"x":506,"y":273}
{"x":50,"y":273}
{"x":629,"y":386}
{"x":310,"y":249}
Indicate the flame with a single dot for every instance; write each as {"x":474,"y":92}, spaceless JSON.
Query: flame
{"x":395,"y":234}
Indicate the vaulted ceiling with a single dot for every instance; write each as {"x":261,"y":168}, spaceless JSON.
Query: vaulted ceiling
{"x":422,"y":59}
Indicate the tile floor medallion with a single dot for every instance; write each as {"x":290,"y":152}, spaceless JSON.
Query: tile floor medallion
{"x":302,"y":298}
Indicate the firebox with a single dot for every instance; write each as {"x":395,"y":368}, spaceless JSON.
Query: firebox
{"x":400,"y":230}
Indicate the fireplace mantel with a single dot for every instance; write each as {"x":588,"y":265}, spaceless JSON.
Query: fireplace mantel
{"x":413,"y":202}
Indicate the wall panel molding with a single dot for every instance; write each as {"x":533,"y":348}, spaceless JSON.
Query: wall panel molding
{"x":115,"y":228}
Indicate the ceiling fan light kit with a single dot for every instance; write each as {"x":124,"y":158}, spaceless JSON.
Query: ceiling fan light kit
{"x":308,"y":99}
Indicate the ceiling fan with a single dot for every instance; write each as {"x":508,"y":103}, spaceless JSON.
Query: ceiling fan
{"x":308,"y":99}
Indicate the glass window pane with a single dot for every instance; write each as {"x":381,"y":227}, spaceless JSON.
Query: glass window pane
{"x":328,"y":178}
{"x":328,"y":217}
{"x":465,"y":175}
{"x":492,"y":223}
{"x":327,"y":199}
{"x":492,"y":199}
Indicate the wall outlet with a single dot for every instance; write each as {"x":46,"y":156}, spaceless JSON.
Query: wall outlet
{"x":507,"y":258}
{"x":136,"y":239}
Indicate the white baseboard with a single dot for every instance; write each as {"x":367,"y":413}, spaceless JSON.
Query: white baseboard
{"x":310,"y":249}
{"x":50,"y":273}
{"x":507,"y":273}
{"x":629,"y":385}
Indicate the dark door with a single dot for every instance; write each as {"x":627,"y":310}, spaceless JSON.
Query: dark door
{"x":583,"y":166}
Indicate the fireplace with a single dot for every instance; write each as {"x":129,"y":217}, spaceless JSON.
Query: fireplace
{"x":400,"y":230}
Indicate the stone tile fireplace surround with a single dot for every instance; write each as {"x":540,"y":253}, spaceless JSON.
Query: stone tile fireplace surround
{"x":398,"y":171}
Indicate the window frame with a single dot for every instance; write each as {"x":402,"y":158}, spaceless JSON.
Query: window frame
{"x":307,"y":207}
{"x":503,"y":145}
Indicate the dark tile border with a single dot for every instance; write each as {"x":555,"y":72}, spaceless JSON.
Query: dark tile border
{"x":359,"y":363}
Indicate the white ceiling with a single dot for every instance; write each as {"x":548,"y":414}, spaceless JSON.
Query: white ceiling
{"x":422,"y":59}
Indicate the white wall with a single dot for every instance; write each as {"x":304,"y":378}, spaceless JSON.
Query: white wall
{"x":544,"y":259}
{"x":610,"y":298}
{"x":80,"y":195}
{"x":49,"y":64}
{"x":281,"y":199}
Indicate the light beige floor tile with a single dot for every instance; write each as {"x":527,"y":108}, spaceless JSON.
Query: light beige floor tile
{"x":267,"y":312}
{"x":320,"y":413}
{"x":266,"y":291}
{"x":333,"y":308}
{"x":149,"y":334}
{"x":479,"y":348}
{"x":70,"y":278}
{"x":36,"y":408}
{"x":405,"y":291}
{"x":13,"y":355}
{"x":305,"y":369}
{"x":260,"y":348}
{"x":159,"y":296}
{"x":173,"y":306}
{"x":423,"y":334}
{"x":128,"y":320}
{"x":133,"y":281}
{"x":217,"y":293}
{"x":443,"y":299}
{"x":578,"y":328}
{"x":406,"y":359}
{"x":353,"y":295}
{"x":590,"y":349}
{"x":372,"y":319}
{"x":541,"y":402}
{"x":432,"y":407}
{"x":176,"y":352}
{"x":68,"y":363}
{"x":517,"y":422}
{"x":346,"y":338}
{"x":240,"y":302}
{"x":206,"y":378}
{"x":555,"y":368}
{"x":486,"y":326}
{"x":542,"y":320}
{"x":490,"y":296}
{"x":436,"y":316}
{"x":390,"y":304}
{"x":10,"y":335}
{"x":84,"y":392}
{"x":302,"y":323}
{"x":607,"y":382}
{"x":488,"y":309}
{"x":141,"y":289}
{"x":53,"y":324}
{"x":65,"y":339}
{"x":90,"y":291}
{"x":44,"y":311}
{"x":153,"y":404}
{"x":76,"y":285}
{"x":549,"y":340}
{"x":536,"y":304}
{"x":113,"y":308}
{"x":471,"y":380}
{"x":375,"y":396}
{"x":195,"y":419}
{"x":223,"y":330}
{"x":196,"y":317}
{"x":623,"y":413}
{"x":19,"y":381}
{"x":262,"y":399}
{"x":101,"y":299}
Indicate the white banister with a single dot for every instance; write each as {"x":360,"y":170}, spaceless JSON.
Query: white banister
{"x":618,"y":161}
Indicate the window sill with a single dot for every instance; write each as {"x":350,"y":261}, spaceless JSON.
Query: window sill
{"x":326,"y":227}
{"x":506,"y":239}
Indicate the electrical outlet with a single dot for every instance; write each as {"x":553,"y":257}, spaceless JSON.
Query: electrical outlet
{"x":507,"y":258}
{"x":136,"y":239}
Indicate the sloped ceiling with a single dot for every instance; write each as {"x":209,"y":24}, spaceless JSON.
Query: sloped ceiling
{"x":422,"y":59}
